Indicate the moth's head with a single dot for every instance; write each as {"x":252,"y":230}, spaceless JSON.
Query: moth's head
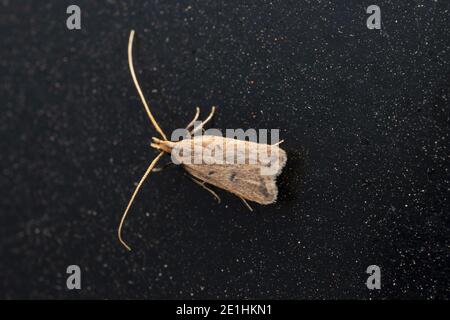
{"x":162,"y":145}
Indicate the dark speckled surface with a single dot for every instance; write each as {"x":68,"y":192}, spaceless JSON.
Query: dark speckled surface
{"x":364,"y":115}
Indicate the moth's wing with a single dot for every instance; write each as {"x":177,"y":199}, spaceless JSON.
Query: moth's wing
{"x":253,"y":180}
{"x":242,"y":180}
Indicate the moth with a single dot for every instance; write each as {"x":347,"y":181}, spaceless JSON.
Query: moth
{"x":252,"y":177}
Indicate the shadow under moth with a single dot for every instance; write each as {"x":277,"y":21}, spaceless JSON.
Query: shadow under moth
{"x":249,"y":173}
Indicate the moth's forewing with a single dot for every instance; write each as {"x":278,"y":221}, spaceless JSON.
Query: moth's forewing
{"x":247,"y":169}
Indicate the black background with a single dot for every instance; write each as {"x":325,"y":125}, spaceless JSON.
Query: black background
{"x":364,"y":114}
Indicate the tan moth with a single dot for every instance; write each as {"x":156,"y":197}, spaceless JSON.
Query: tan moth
{"x":245,"y":168}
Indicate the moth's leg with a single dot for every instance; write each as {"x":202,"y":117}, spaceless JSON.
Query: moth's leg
{"x":197,"y":113}
{"x":246,"y":203}
{"x":279,"y":142}
{"x":211,"y":114}
{"x":213,"y":109}
{"x":202,"y":184}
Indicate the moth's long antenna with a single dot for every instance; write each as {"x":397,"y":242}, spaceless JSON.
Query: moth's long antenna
{"x":136,"y":83}
{"x":149,"y":169}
